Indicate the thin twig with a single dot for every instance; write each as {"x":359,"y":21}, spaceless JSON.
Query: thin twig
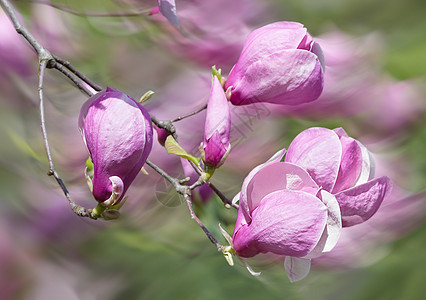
{"x":222,"y":197}
{"x":190,"y":114}
{"x":79,"y":210}
{"x":83,"y":77}
{"x":206,"y":231}
{"x":185,"y":191}
{"x":166,"y":125}
{"x":172,"y":180}
{"x":78,"y":83}
{"x":42,"y":52}
{"x":46,"y":60}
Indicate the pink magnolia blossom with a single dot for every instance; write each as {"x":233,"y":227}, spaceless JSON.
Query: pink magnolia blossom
{"x":118,"y":133}
{"x":297,"y":207}
{"x":280,"y":63}
{"x":342,"y":166}
{"x":216,"y":143}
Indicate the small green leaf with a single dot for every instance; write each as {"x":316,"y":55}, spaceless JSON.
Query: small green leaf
{"x":173,"y":147}
{"x":146,"y":96}
{"x":217,"y":73}
{"x":89,"y":165}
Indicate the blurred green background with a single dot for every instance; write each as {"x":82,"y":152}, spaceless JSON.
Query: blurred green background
{"x":155,"y":250}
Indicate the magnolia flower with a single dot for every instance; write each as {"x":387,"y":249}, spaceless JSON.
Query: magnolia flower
{"x":297,"y":207}
{"x":217,"y":129}
{"x":118,"y":134}
{"x":342,"y":166}
{"x":280,"y":63}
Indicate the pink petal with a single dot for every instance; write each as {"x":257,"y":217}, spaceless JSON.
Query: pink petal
{"x":274,"y":177}
{"x":218,"y":117}
{"x":350,"y":165}
{"x":287,"y":77}
{"x":333,"y":228}
{"x":285,"y":223}
{"x":214,"y":150}
{"x":368,"y":166}
{"x":340,"y":132}
{"x":271,"y":38}
{"x":243,"y":196}
{"x":296,"y":268}
{"x":358,"y":204}
{"x":318,"y":151}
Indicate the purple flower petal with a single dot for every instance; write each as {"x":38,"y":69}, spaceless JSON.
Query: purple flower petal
{"x":287,"y":77}
{"x":350,"y":165}
{"x":296,"y":268}
{"x":277,"y":176}
{"x":271,"y":38}
{"x":333,"y":228}
{"x":359,"y":203}
{"x":218,"y":117}
{"x":286,"y":222}
{"x":368,"y":166}
{"x":243,"y":195}
{"x":214,"y":150}
{"x":318,"y":151}
{"x":217,"y":127}
{"x":118,"y":134}
{"x":279,"y":64}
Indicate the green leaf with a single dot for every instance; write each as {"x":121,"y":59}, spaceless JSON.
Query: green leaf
{"x":89,"y":165}
{"x":173,"y":147}
{"x":217,"y":73}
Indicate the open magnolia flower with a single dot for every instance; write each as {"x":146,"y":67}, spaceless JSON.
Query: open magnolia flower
{"x":296,"y":207}
{"x":280,"y":63}
{"x":117,"y":131}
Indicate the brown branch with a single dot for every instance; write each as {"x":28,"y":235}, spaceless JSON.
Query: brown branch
{"x":190,"y":114}
{"x":185,"y":191}
{"x":83,"y":77}
{"x":79,"y":210}
{"x":46,"y":60}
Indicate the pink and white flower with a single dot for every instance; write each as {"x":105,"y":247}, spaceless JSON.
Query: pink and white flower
{"x":297,"y":207}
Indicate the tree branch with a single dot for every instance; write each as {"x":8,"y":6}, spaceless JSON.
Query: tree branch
{"x":190,"y":114}
{"x":79,"y":210}
{"x":43,"y":53}
{"x":86,"y":79}
{"x":185,"y":191}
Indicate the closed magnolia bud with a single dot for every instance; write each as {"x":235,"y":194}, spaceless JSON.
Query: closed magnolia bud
{"x":118,"y":134}
{"x":280,"y":63}
{"x":217,"y":129}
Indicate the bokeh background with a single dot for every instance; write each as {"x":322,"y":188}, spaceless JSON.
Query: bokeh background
{"x":375,"y":89}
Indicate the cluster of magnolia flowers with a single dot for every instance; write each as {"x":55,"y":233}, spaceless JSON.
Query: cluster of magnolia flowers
{"x":295,"y":204}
